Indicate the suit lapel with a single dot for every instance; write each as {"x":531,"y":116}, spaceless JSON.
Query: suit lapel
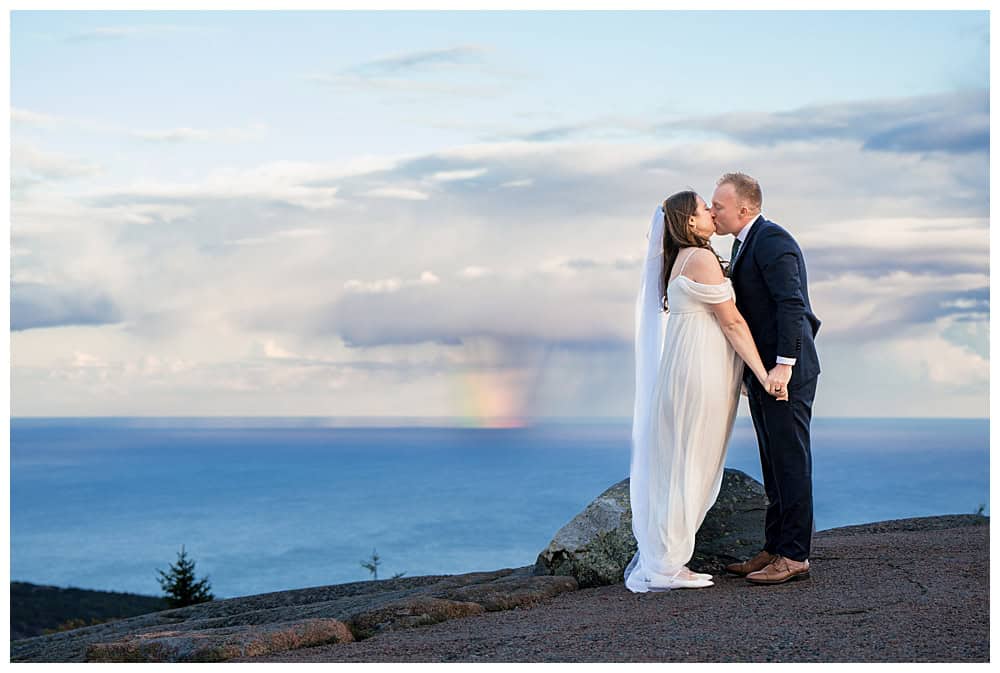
{"x":745,"y":249}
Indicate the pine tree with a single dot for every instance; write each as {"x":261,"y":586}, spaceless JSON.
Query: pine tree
{"x":373,"y":565}
{"x":179,"y":585}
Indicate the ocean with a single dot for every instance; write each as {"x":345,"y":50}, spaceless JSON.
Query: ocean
{"x":274,"y":504}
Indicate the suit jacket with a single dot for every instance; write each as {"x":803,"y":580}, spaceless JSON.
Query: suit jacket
{"x":769,"y":278}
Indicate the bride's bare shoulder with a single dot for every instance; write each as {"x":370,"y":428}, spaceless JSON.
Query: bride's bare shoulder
{"x":704,"y":267}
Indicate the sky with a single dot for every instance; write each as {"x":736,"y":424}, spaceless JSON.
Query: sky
{"x":441,"y":214}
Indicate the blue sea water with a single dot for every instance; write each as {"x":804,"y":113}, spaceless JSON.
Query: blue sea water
{"x":273,"y":504}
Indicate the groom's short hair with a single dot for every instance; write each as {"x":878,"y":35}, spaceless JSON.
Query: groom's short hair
{"x":747,"y":189}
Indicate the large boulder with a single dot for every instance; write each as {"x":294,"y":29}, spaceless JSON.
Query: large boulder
{"x":597,"y":544}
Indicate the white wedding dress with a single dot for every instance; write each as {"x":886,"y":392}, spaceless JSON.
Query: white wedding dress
{"x":677,"y":465}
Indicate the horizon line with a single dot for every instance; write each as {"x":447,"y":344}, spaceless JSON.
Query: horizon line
{"x":454,"y":419}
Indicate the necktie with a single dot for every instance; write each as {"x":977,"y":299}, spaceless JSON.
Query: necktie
{"x":732,"y":255}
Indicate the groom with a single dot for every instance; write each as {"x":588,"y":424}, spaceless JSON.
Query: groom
{"x":769,"y":278}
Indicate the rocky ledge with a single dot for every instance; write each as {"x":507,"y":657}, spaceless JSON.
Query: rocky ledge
{"x":911,"y":590}
{"x":375,"y":620}
{"x":286,"y":620}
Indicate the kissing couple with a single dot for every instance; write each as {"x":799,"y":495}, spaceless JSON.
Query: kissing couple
{"x":705,"y":331}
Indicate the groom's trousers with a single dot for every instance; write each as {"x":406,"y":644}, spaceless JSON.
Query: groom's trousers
{"x":786,"y":463}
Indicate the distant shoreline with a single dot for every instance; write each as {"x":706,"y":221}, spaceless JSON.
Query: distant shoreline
{"x":401,"y":422}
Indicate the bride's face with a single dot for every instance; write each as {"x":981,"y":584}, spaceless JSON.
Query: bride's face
{"x":701,"y":222}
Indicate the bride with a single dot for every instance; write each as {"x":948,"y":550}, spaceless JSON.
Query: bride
{"x":688,"y":371}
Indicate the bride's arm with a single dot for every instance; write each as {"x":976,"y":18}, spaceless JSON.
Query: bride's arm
{"x":704,"y":268}
{"x":736,"y":330}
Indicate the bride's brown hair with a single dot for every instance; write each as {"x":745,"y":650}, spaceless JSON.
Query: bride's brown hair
{"x":677,"y":210}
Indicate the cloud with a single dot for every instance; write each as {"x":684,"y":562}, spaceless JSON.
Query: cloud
{"x":529,"y":310}
{"x":605,"y":128}
{"x":32,"y":118}
{"x":34,"y":305}
{"x":475,"y":272}
{"x":552,"y":133}
{"x":589,"y":264}
{"x":526,"y":182}
{"x":48,"y":165}
{"x":402,"y":86}
{"x":270,"y":349}
{"x":573,"y":225}
{"x":828,"y":262}
{"x":114,"y":33}
{"x":58,"y":214}
{"x":453,"y":176}
{"x":87,"y":360}
{"x":161,"y":382}
{"x":384,"y":285}
{"x":24,"y":117}
{"x":278,"y":236}
{"x":300,"y":256}
{"x":186,"y":134}
{"x":954,"y":123}
{"x":106,"y":33}
{"x":434,"y":71}
{"x":31,"y":168}
{"x":390,"y":284}
{"x":942,"y":362}
{"x":300,"y":184}
{"x":421,"y":60}
{"x":402,"y":193}
{"x":877,"y":247}
{"x":943,"y":134}
{"x":861,"y":309}
{"x":870,"y":274}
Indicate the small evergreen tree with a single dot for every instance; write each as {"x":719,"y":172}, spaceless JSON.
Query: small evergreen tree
{"x":179,"y":585}
{"x":373,"y":565}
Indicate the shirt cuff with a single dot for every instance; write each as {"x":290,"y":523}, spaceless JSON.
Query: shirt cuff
{"x":785,"y":361}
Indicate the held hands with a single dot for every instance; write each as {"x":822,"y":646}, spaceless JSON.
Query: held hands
{"x":764,"y":378}
{"x":776,"y":383}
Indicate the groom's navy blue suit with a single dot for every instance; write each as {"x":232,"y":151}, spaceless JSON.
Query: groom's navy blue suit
{"x":769,"y":278}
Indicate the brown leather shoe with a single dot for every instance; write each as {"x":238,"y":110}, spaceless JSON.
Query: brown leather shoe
{"x":756,"y":563}
{"x":781,"y":569}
